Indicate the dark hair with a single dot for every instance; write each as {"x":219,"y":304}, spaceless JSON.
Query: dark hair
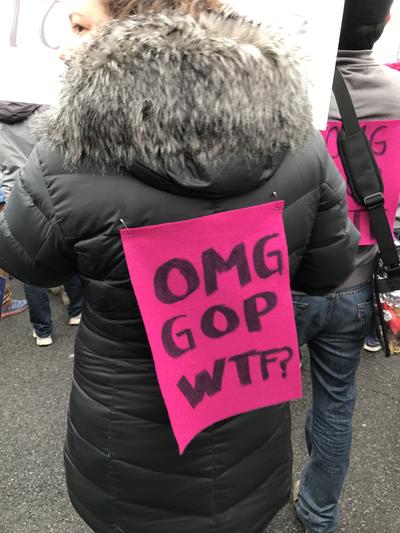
{"x":360,"y":37}
{"x":121,"y":9}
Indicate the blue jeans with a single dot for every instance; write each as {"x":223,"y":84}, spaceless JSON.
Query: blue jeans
{"x":39,"y":305}
{"x":334,"y":328}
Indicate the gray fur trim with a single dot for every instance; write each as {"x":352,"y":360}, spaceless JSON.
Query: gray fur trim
{"x":167,"y":89}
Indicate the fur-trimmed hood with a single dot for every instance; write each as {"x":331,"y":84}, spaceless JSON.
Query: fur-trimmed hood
{"x":189,"y":99}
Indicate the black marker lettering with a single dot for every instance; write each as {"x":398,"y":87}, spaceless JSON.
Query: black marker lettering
{"x":161,"y":287}
{"x":262,"y":269}
{"x":213,"y":263}
{"x":208,"y":321}
{"x":204,"y":384}
{"x":243,"y":366}
{"x":253,"y":314}
{"x":168,"y":341}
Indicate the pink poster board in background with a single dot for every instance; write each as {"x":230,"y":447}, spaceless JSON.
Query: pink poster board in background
{"x":384,"y":137}
{"x":215,"y":298}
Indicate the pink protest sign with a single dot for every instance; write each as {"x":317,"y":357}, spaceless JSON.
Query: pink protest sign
{"x":215,"y":299}
{"x":384,"y":137}
{"x":395,"y":66}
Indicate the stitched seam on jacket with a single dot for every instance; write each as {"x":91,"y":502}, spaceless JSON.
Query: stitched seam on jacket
{"x":162,"y":472}
{"x":70,"y":459}
{"x":22,"y":249}
{"x":243,"y":498}
{"x":28,"y":192}
{"x":214,"y":476}
{"x":110,"y":473}
{"x":158,"y":508}
{"x":301,"y":198}
{"x":23,"y":186}
{"x":136,"y":417}
{"x":54,"y":217}
{"x":248,"y":495}
{"x":51,"y":221}
{"x":248,"y":455}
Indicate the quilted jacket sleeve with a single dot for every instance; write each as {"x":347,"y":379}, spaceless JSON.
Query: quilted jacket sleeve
{"x":333,"y":245}
{"x":32,"y":247}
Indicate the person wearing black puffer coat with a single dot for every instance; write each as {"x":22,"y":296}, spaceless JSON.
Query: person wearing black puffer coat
{"x":124,"y":143}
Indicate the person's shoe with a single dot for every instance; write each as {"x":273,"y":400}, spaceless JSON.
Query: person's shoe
{"x":42,"y":341}
{"x":295,"y":491}
{"x":15,"y":307}
{"x":75,"y":320}
{"x":371,"y":344}
{"x":295,"y":499}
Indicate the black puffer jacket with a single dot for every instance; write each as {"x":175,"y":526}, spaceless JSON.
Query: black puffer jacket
{"x":195,"y":119}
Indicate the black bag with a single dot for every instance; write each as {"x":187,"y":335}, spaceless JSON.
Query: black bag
{"x":366,"y":185}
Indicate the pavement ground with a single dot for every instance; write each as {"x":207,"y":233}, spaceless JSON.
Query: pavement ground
{"x":34,"y":390}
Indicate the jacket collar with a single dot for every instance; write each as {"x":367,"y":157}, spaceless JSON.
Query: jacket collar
{"x":205,"y":103}
{"x":356,"y":58}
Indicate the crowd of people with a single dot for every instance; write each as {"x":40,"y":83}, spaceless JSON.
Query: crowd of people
{"x":173,"y":110}
{"x":16,"y":143}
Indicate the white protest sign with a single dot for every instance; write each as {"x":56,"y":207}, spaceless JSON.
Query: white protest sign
{"x":31,"y":33}
{"x":312,"y":25}
{"x":387,"y":49}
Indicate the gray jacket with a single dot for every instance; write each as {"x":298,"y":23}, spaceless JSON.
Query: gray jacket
{"x":375,"y":91}
{"x":16,"y":140}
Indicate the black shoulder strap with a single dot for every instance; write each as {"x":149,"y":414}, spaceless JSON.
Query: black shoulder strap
{"x":363,"y":174}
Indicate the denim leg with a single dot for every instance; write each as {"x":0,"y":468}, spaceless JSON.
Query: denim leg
{"x":39,"y":310}
{"x":307,"y":429}
{"x":73,"y":288}
{"x":7,"y":296}
{"x":335,"y":355}
{"x":311,"y":314}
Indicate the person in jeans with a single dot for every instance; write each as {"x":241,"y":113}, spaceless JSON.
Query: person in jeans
{"x":334,"y":326}
{"x":16,"y":143}
{"x":40,"y":312}
{"x":9,"y":306}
